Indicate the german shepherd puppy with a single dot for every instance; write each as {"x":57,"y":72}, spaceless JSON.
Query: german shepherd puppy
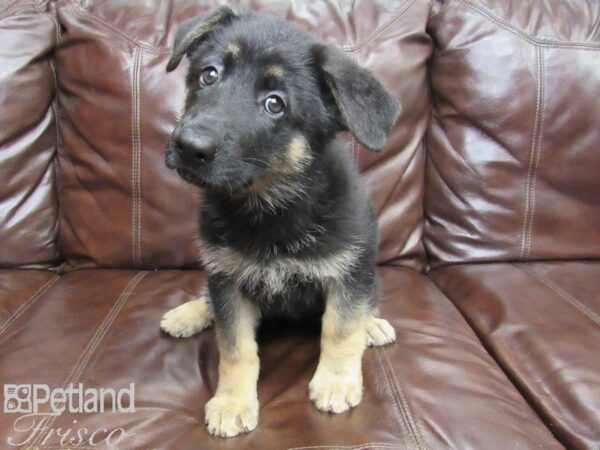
{"x":287,"y":227}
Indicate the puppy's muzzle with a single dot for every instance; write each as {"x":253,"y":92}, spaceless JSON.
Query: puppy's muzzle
{"x":194,"y":148}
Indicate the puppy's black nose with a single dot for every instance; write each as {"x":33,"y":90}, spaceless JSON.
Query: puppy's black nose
{"x":196,"y":148}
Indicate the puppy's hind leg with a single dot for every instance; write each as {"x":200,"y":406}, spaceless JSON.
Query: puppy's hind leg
{"x":189,"y":318}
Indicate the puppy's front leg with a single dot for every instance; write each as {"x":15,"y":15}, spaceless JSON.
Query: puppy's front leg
{"x":337,"y":384}
{"x":234,"y":408}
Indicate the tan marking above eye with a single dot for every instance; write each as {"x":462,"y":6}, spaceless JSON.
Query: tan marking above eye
{"x":233,"y":49}
{"x":274,"y":71}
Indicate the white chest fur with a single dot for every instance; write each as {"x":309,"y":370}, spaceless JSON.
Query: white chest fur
{"x":275,"y":273}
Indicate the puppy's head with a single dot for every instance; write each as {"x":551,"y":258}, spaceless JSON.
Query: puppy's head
{"x":263,"y":98}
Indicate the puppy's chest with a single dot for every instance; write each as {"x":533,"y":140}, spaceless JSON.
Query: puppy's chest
{"x":276,"y":275}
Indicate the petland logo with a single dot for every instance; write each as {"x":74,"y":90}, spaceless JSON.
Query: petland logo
{"x":38,"y":405}
{"x":28,"y":398}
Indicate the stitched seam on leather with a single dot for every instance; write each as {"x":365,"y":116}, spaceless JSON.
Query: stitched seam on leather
{"x":388,"y":382}
{"x":416,"y":429}
{"x":538,"y":150}
{"x":27,"y":304}
{"x":533,"y":160}
{"x":399,"y":397}
{"x":135,"y":160}
{"x":138,"y":123}
{"x":85,"y":356}
{"x":17,"y":7}
{"x":378,"y":31}
{"x":562,"y":293}
{"x":366,"y":446}
{"x":522,"y":34}
{"x":133,"y":149}
{"x":40,"y":4}
{"x":85,"y":14}
{"x":109,"y":321}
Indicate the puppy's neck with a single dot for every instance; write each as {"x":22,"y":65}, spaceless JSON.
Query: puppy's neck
{"x":275,"y":192}
{"x":288,"y":181}
{"x":294,"y":184}
{"x":290,"y":214}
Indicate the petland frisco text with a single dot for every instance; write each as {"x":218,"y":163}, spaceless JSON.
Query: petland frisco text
{"x":38,"y":405}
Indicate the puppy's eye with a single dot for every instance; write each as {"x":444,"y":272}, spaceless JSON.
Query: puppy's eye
{"x":209,"y":76}
{"x":274,"y":105}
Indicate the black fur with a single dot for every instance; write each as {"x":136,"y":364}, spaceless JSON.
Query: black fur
{"x":324,"y":93}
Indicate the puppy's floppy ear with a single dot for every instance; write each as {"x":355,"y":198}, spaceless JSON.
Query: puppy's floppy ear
{"x":192,"y":30}
{"x":366,"y":109}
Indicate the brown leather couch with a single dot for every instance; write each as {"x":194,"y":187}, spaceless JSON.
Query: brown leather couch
{"x":488,"y":197}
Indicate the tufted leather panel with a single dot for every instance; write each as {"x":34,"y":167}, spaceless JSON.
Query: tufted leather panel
{"x":28,"y":204}
{"x":541,"y":321}
{"x":512,"y":170}
{"x":435,"y":388}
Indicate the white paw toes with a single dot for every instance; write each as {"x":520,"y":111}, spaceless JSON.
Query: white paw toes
{"x":380,"y":332}
{"x":335,"y":393}
{"x":228,"y":416}
{"x":187,"y":319}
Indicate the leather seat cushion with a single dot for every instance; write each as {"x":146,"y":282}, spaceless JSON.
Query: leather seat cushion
{"x":541,"y":322}
{"x":437,"y":387}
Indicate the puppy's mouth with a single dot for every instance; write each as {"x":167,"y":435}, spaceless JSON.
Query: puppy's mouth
{"x":192,"y":175}
{"x":203,"y":176}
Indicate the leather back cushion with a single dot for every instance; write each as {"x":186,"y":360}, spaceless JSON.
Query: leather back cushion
{"x":120,"y":206}
{"x":513,"y":169}
{"x":28,"y":206}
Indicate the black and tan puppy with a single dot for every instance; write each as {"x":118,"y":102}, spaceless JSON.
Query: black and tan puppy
{"x":287,"y":227}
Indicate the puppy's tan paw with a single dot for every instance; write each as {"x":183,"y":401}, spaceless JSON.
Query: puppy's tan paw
{"x":188,"y":319}
{"x":379,"y":332}
{"x":228,"y":415}
{"x":335,"y":393}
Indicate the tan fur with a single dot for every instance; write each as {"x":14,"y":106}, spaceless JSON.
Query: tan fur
{"x":275,"y":71}
{"x":337,"y":384}
{"x":234,"y":408}
{"x":189,"y":318}
{"x":297,"y":156}
{"x":267,"y":178}
{"x":294,"y":161}
{"x":234,"y":50}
